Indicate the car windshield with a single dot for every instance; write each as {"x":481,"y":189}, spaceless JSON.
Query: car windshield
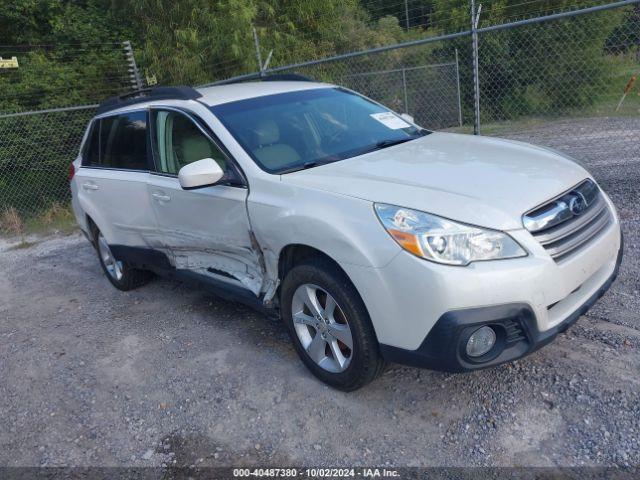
{"x":296,"y":130}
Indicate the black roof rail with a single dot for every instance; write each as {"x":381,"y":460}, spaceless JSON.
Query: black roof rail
{"x":278,"y":77}
{"x":284,"y":77}
{"x":147,"y":94}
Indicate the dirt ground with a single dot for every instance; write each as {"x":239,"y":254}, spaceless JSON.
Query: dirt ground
{"x":171,"y":375}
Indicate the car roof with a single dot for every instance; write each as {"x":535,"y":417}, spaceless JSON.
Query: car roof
{"x":211,"y":96}
{"x":219,"y":94}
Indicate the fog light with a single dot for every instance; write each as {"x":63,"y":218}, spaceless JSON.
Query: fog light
{"x":481,"y":341}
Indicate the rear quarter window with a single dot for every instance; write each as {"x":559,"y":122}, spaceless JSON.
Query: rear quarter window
{"x":91,"y":153}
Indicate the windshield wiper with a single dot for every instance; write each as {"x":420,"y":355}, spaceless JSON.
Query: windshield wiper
{"x":392,"y":142}
{"x":378,"y":146}
{"x":304,"y":166}
{"x":396,"y":141}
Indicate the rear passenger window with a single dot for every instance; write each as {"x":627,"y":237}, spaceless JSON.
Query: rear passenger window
{"x":123,"y":141}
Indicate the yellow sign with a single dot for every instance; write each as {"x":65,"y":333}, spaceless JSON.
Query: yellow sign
{"x":151,"y":80}
{"x":9,"y":62}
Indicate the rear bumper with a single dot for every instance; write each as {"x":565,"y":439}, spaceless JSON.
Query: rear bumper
{"x":516,"y":324}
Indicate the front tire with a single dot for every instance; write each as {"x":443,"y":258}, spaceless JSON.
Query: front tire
{"x":329,"y":325}
{"x":120,"y":273}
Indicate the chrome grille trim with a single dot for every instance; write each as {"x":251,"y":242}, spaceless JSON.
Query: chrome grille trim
{"x":569,"y":221}
{"x":553,"y":234}
{"x":567,"y":245}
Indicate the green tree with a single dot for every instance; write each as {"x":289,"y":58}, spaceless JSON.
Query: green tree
{"x":195,"y":41}
{"x":68,"y":52}
{"x":537,"y":69}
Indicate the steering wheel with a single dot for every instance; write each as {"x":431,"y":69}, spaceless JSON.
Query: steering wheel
{"x":336,"y":136}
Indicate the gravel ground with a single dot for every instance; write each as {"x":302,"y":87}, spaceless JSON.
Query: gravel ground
{"x":170,"y":375}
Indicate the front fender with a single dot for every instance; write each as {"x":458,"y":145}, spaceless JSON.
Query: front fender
{"x":344,"y":228}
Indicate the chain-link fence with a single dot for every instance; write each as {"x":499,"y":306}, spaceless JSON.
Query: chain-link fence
{"x":424,"y":81}
{"x":402,"y":89}
{"x":561,"y":84}
{"x":36,"y":150}
{"x":566,"y":81}
{"x":41,"y":124}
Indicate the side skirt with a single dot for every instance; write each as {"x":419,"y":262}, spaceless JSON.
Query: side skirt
{"x":157,"y":262}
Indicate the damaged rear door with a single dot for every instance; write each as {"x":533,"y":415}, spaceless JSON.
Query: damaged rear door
{"x":206,"y":230}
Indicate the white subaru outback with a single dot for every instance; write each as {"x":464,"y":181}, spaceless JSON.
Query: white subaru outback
{"x":375,"y":240}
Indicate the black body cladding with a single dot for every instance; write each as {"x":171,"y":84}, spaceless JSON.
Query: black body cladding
{"x":515,"y":324}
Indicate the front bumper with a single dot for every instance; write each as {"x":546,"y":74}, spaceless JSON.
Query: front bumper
{"x":519,"y":335}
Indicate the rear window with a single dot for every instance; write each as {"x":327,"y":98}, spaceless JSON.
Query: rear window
{"x":119,"y":141}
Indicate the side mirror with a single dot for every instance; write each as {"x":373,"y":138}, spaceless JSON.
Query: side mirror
{"x":203,"y":173}
{"x":407,"y":117}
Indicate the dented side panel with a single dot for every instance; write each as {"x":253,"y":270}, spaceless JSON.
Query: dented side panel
{"x":343,"y":228}
{"x":207,"y":231}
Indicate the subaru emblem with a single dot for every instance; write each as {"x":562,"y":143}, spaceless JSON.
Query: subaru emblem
{"x":577,"y":204}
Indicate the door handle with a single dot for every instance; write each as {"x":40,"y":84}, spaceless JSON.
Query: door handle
{"x":161,"y":197}
{"x":90,"y":186}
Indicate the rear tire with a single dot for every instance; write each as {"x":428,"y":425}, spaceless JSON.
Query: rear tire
{"x":120,"y":273}
{"x":319,"y":304}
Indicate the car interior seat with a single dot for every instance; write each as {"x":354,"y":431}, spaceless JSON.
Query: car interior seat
{"x":272,"y":154}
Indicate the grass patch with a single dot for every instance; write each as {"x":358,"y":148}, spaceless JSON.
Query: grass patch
{"x":58,"y":218}
{"x":621,"y":68}
{"x":22,"y":245}
{"x":11,"y":222}
{"x":609,"y":90}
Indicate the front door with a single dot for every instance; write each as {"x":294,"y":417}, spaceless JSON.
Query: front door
{"x":205,"y":231}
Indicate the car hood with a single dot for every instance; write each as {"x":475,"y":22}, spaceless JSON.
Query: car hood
{"x":478,"y":180}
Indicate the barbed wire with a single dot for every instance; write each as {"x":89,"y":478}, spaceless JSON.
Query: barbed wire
{"x":58,"y":45}
{"x":487,"y":5}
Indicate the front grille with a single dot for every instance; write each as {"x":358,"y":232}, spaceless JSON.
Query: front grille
{"x":570,"y":221}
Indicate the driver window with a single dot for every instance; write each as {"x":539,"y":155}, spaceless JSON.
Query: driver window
{"x":178,"y":142}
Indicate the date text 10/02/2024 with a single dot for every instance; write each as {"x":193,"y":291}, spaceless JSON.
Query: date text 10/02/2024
{"x":316,"y":472}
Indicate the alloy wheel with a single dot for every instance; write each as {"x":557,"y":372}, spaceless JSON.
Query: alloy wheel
{"x":113,"y":266}
{"x":322,"y":328}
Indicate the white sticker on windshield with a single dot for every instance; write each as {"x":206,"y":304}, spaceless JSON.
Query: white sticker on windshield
{"x":390,"y":120}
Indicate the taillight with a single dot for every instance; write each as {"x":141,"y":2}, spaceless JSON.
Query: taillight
{"x":72,"y":171}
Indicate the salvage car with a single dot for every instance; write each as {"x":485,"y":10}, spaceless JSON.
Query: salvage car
{"x":374,"y":239}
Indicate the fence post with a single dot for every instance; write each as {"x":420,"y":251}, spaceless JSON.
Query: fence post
{"x":406,"y":13}
{"x":404,"y":88}
{"x":256,"y":41}
{"x":134,"y":73}
{"x":475,"y":16}
{"x":458,"y":85}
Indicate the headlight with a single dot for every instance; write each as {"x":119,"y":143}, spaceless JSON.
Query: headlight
{"x":445,"y":241}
